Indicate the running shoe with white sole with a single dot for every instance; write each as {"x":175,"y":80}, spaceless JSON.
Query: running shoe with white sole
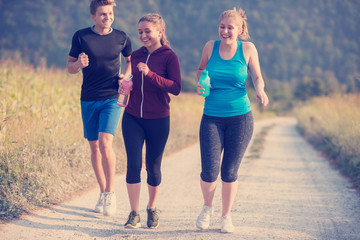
{"x":203,"y":221}
{"x":109,"y":203}
{"x":100,"y":204}
{"x":133,"y":220}
{"x":152,"y":218}
{"x":226,"y":224}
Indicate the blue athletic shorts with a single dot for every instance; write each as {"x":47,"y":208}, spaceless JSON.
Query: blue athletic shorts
{"x":100,"y":116}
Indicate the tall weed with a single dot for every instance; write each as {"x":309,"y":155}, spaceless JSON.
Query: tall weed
{"x":333,"y":125}
{"x":41,"y":147}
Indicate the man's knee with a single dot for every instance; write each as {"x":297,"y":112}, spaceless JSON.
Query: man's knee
{"x":105,"y":142}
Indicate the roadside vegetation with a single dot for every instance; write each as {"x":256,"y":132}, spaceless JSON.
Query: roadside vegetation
{"x":332,"y":125}
{"x":43,"y":157}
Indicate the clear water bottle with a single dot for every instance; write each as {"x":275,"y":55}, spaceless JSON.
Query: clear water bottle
{"x":205,"y":83}
{"x":124,"y":93}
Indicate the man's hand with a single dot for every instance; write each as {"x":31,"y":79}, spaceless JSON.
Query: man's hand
{"x":83,"y":60}
{"x":121,"y":78}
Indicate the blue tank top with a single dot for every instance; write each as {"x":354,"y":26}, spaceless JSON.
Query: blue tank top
{"x":228,"y":95}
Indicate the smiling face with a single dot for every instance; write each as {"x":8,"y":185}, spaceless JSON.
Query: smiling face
{"x":103,"y":18}
{"x":229,"y":30}
{"x":149,"y":35}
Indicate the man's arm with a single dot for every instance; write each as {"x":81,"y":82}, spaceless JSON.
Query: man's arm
{"x":127,"y":67}
{"x":75,"y":64}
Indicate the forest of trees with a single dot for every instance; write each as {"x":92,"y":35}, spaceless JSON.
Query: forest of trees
{"x":306,"y":48}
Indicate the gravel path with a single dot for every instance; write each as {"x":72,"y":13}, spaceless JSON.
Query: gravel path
{"x":289,"y":193}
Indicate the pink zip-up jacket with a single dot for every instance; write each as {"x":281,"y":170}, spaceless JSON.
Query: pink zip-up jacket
{"x":150,"y":98}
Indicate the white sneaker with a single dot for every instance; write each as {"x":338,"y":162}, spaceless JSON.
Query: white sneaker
{"x":226,"y":224}
{"x":109,"y":203}
{"x":100,"y":204}
{"x":203,"y":221}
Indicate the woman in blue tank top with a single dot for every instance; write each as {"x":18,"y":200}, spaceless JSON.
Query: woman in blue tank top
{"x":227,"y":123}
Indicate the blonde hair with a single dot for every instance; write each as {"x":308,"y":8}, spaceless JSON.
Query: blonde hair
{"x":97,"y":3}
{"x":159,"y":22}
{"x":240,"y":18}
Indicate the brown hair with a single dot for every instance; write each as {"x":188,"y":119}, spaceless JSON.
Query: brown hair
{"x":159,"y":22}
{"x":240,"y":18}
{"x":97,"y":3}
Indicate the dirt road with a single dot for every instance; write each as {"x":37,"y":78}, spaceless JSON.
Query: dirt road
{"x":289,"y":193}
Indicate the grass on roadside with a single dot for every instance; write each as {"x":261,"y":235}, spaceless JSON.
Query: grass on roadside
{"x":332,"y":124}
{"x":42,"y":153}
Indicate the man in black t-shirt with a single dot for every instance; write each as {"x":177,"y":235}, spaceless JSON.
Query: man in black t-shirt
{"x":96,"y":50}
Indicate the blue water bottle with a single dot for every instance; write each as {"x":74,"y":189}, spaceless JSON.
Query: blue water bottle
{"x":205,"y":83}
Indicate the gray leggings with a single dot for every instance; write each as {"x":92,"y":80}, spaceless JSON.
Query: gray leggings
{"x":230,"y":135}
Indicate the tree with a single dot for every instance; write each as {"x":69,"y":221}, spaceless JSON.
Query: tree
{"x":308,"y":88}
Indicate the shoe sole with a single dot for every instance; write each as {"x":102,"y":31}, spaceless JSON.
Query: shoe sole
{"x":231,"y":230}
{"x":154,"y":227}
{"x":109,"y":213}
{"x":129,"y":226}
{"x":98,"y":211}
{"x":202,"y":228}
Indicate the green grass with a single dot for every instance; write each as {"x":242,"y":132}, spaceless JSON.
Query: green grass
{"x":332,"y":124}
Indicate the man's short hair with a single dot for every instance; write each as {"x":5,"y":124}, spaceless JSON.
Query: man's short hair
{"x":97,"y":3}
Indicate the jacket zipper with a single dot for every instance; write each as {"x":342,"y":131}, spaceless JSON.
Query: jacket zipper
{"x":142,"y":88}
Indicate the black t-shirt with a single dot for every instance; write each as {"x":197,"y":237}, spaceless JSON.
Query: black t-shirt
{"x":100,"y":78}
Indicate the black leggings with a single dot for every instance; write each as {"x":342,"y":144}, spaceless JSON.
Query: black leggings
{"x":154,"y":132}
{"x":229,"y":134}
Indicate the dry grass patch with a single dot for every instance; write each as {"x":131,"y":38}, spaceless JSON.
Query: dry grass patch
{"x":332,"y":124}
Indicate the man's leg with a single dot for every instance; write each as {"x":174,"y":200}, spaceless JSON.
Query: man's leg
{"x":96,"y":161}
{"x":108,"y":159}
{"x":100,"y":120}
{"x":108,"y":163}
{"x":108,"y":121}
